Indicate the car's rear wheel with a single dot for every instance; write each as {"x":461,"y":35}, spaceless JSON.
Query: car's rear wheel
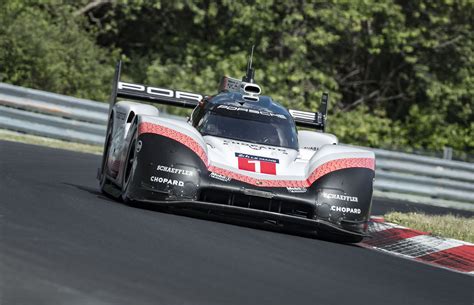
{"x":129,"y":166}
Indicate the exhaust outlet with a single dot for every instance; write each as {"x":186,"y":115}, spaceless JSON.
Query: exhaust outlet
{"x":251,"y":89}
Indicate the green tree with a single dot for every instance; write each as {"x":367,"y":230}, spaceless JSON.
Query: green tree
{"x":402,"y":69}
{"x":399,"y":73}
{"x":43,"y":46}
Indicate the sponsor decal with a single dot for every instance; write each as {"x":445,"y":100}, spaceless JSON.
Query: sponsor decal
{"x":340,"y":197}
{"x":230,"y":84}
{"x":174,"y":170}
{"x":258,"y":193}
{"x":255,"y":146}
{"x":220,"y":177}
{"x":163,"y":180}
{"x":297,"y":189}
{"x":120,"y":115}
{"x":159,"y":91}
{"x":250,"y":110}
{"x":345,"y":210}
{"x":252,"y":157}
{"x":257,"y":164}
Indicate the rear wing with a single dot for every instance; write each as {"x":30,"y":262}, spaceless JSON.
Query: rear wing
{"x":150,"y":94}
{"x":315,"y":120}
{"x":185,"y":99}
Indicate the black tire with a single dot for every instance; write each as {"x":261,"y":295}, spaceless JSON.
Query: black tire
{"x":104,"y":181}
{"x":129,"y":168}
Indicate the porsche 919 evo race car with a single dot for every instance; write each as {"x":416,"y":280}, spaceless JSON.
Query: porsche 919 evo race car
{"x":239,"y":154}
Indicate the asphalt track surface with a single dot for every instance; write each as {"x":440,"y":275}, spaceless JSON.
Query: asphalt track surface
{"x":62,"y":242}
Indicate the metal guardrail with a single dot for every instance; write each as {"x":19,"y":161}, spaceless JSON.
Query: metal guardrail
{"x":399,"y":175}
{"x":52,"y":115}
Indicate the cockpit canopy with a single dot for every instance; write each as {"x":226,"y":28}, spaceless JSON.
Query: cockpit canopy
{"x":248,"y":123}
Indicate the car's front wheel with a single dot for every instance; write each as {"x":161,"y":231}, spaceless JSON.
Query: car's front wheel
{"x":104,"y":181}
{"x":129,"y":166}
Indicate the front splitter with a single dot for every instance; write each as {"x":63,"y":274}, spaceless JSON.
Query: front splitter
{"x":314,"y":224}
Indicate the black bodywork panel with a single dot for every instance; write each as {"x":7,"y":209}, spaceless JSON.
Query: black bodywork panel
{"x":169,"y":173}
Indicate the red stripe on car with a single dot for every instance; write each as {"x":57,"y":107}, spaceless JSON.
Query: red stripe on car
{"x":175,"y":135}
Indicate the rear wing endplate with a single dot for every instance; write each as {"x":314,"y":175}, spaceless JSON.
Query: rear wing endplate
{"x":315,"y":120}
{"x":150,"y":94}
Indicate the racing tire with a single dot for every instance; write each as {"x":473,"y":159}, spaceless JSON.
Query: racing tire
{"x":129,"y":166}
{"x":104,"y":181}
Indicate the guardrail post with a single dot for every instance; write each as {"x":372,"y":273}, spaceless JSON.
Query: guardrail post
{"x":447,"y":153}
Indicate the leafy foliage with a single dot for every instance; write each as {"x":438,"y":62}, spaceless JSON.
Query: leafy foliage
{"x":399,"y":73}
{"x":41,"y":46}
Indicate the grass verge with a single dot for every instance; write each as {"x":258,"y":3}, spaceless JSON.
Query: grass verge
{"x":36,"y":140}
{"x":450,"y":226}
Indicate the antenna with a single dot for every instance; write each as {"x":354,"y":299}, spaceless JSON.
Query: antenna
{"x":248,"y":78}
{"x":323,"y":109}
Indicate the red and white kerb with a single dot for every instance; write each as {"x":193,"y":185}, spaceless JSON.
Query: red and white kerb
{"x":420,"y":246}
{"x":255,"y":165}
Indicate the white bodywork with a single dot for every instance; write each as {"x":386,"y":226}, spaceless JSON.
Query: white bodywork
{"x":315,"y":148}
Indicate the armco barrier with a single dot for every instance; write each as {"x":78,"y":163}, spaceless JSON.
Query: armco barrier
{"x":401,"y":176}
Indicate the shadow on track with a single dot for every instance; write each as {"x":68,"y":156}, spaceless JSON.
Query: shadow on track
{"x":230,"y":219}
{"x":92,"y":191}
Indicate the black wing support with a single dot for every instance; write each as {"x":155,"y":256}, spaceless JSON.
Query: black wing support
{"x":145,"y":93}
{"x":315,"y":120}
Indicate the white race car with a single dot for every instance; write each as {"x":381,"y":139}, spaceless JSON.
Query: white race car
{"x":239,"y":154}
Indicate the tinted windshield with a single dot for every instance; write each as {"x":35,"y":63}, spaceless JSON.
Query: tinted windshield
{"x":260,"y":129}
